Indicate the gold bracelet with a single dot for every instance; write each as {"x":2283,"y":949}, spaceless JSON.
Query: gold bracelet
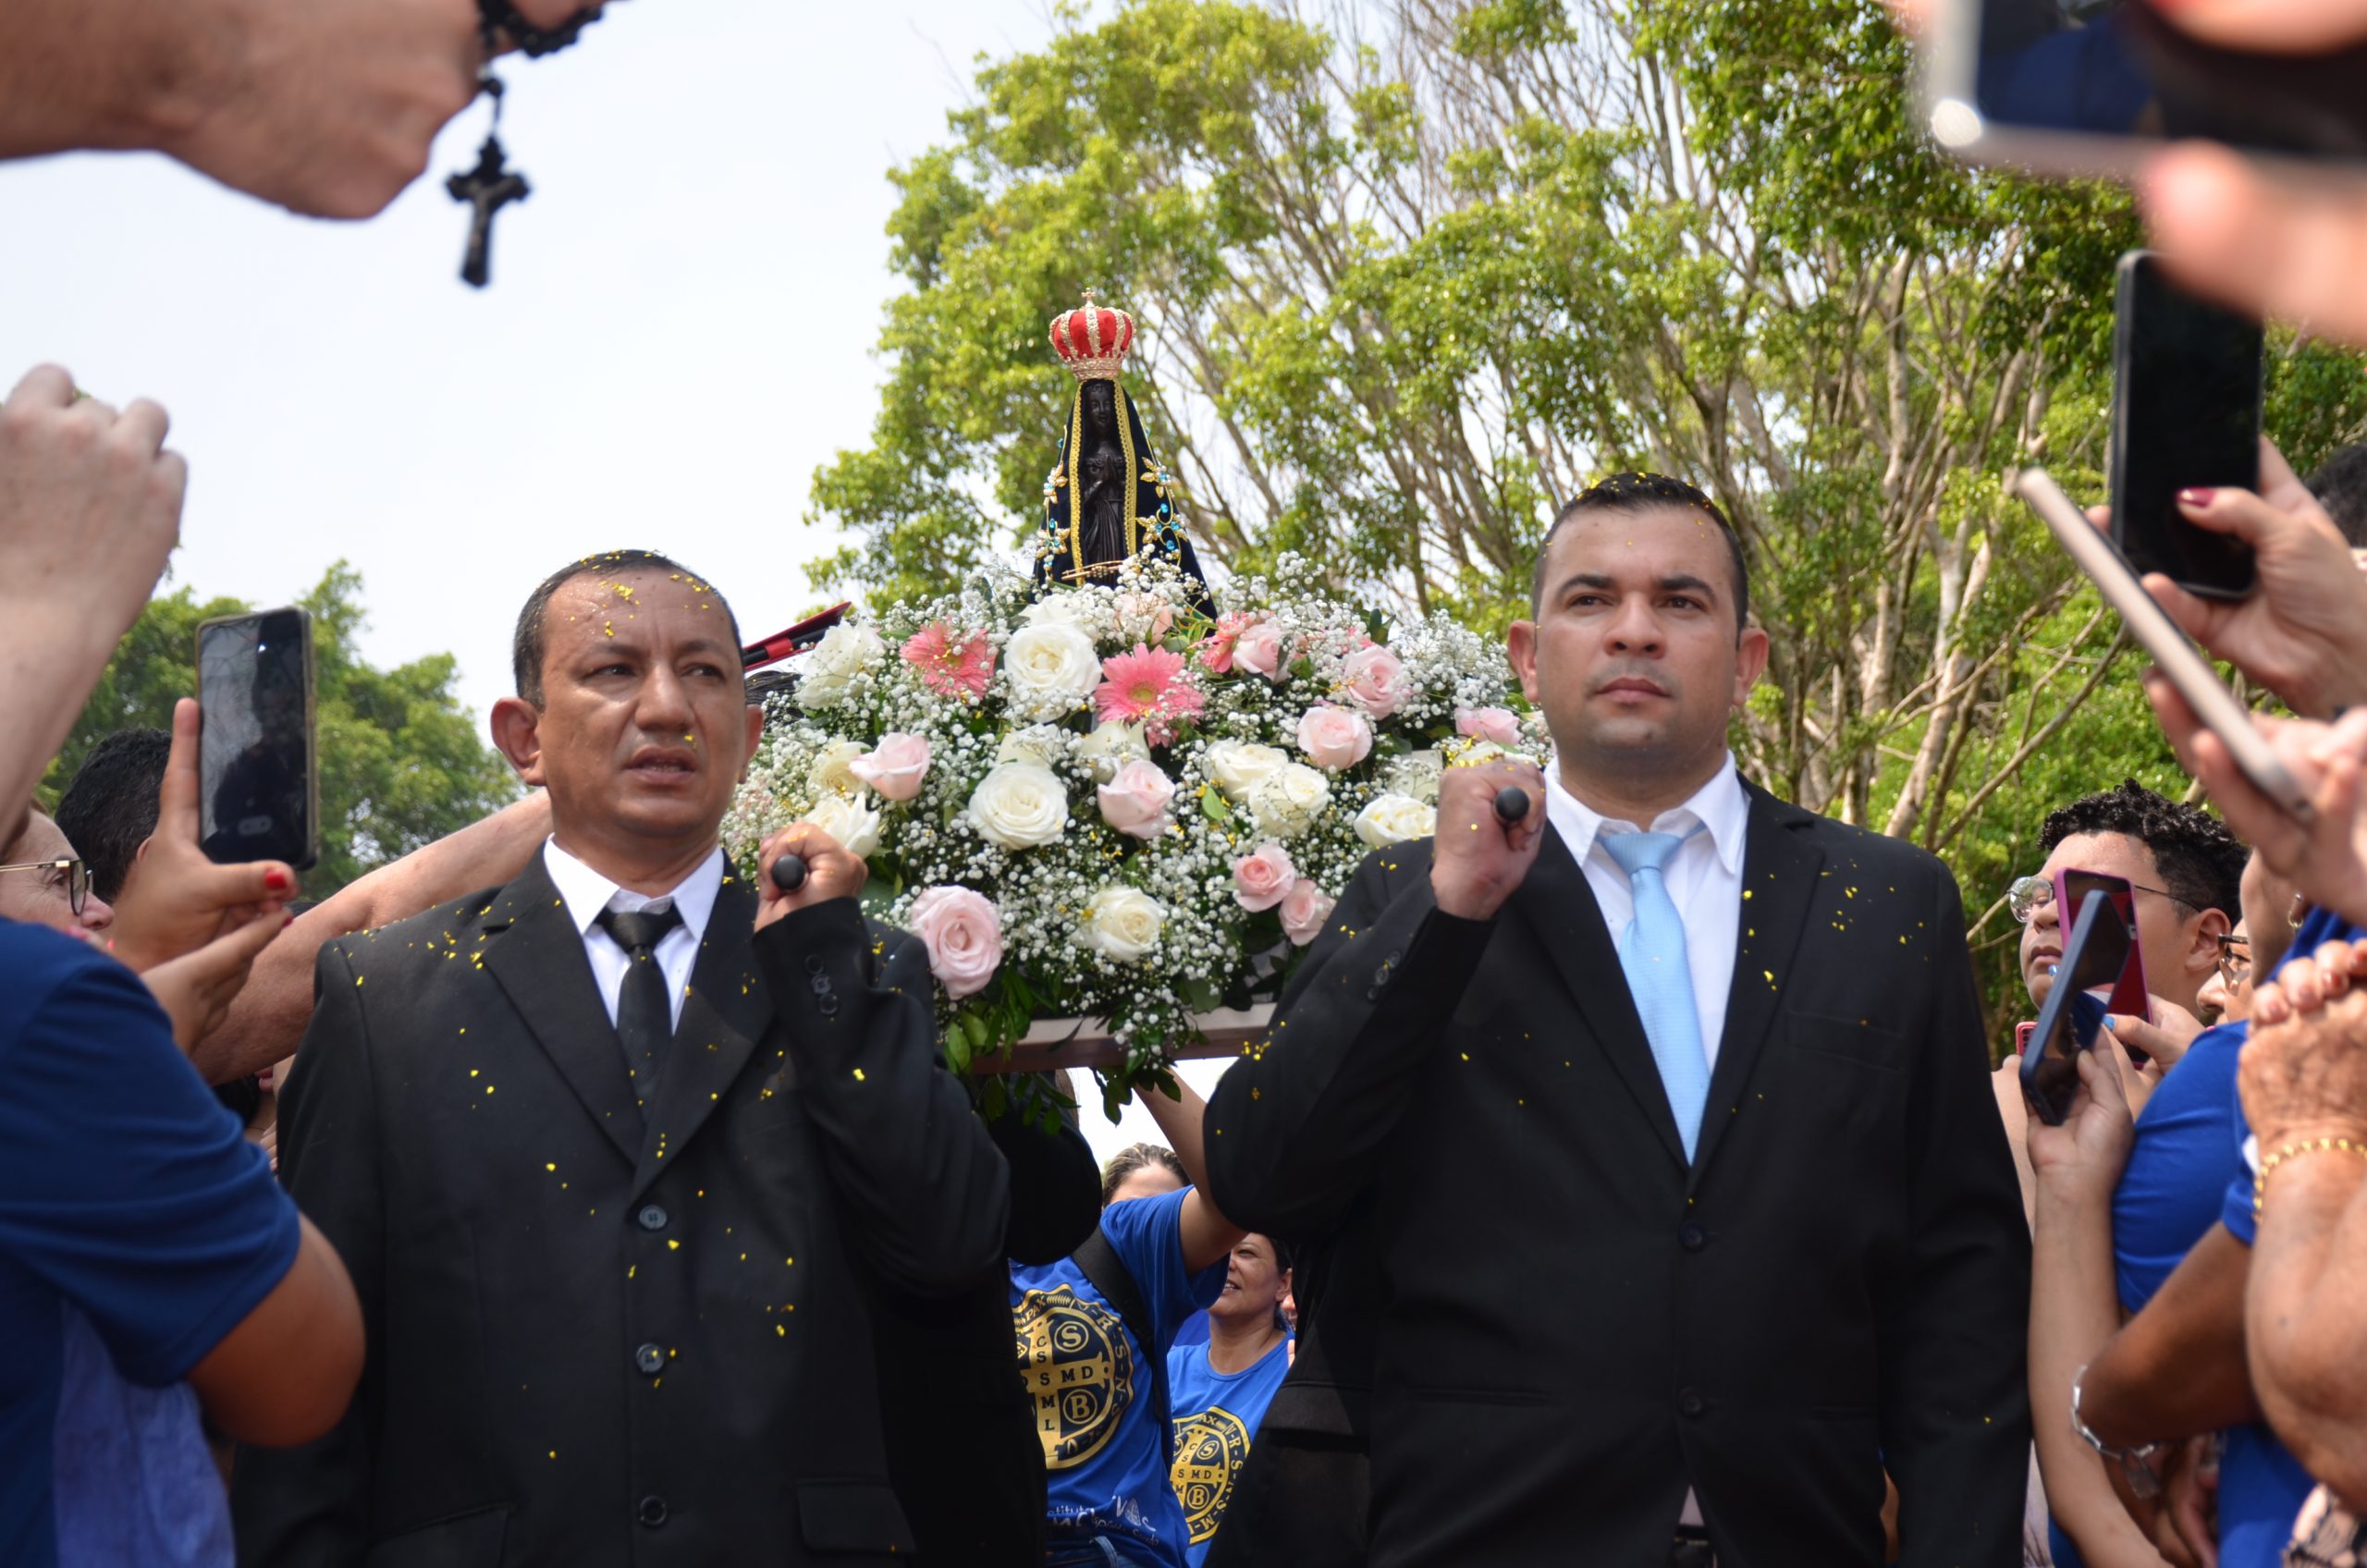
{"x":2295,"y":1151}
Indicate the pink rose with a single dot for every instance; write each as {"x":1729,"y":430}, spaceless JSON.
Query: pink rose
{"x":1304,"y":909}
{"x":1144,"y":616}
{"x":1376,"y":679}
{"x":1136,"y":801}
{"x":1500,"y":725}
{"x":1334,"y":738}
{"x":1216,"y":648}
{"x":895,"y":767}
{"x":963,"y":939}
{"x":1259,"y":650}
{"x":1263,"y":879}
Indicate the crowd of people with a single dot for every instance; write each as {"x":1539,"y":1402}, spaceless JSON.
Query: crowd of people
{"x":1617,"y":1181}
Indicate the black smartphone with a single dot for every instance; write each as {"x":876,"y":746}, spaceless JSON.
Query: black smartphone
{"x":2085,"y":86}
{"x":2094,"y":955}
{"x":2185,"y":413}
{"x":258,"y":781}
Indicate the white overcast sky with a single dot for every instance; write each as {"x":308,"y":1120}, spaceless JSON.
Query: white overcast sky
{"x":678,"y":332}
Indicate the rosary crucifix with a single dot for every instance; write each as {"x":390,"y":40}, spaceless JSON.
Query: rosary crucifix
{"x":492,"y":185}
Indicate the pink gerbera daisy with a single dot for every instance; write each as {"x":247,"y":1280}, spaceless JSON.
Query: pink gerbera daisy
{"x":951,"y":667}
{"x":1150,"y":686}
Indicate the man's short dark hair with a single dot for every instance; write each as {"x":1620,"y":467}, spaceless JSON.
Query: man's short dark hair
{"x":110,"y":809}
{"x":2202,"y":864}
{"x":531,"y":640}
{"x":1641,"y":492}
{"x":2340,"y":486}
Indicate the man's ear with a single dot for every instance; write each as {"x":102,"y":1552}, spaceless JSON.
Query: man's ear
{"x":1750,"y":660}
{"x":516,"y":734}
{"x":2209,"y":927}
{"x":1520,"y":646}
{"x":755,"y":721}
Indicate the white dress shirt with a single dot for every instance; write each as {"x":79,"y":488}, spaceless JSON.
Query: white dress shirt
{"x":1704,"y":879}
{"x":587,"y":893}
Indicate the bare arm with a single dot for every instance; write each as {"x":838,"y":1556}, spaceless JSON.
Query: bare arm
{"x":1206,"y":1235}
{"x":2308,"y":1309}
{"x":285,"y":1374}
{"x":2177,"y":1369}
{"x":268,"y":1018}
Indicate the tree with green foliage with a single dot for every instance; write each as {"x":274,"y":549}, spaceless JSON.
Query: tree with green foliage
{"x":1408,"y":282}
{"x":402,"y":762}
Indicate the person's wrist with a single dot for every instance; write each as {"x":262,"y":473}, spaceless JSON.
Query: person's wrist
{"x":2273,"y":1133}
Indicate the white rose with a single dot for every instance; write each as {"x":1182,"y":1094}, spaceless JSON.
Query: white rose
{"x":1286,"y":803}
{"x":1122,"y":922}
{"x":853,"y":825}
{"x":1235,"y":767}
{"x":1020,"y":805}
{"x":1061,"y":607}
{"x":825,"y":675}
{"x":1416,"y":774}
{"x":1393,"y":819}
{"x":1111,"y":747}
{"x":1051,"y":668}
{"x":831,"y":773}
{"x":1042,"y":744}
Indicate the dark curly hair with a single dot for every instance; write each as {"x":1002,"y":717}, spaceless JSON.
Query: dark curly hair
{"x":1641,"y":492}
{"x":109,"y":810}
{"x":2340,"y":486}
{"x":2202,"y":864}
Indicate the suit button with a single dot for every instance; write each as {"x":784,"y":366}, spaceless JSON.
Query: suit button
{"x":652,"y":1512}
{"x":1690,"y":1404}
{"x":821,"y":985}
{"x":652,"y":1218}
{"x":1691,"y":1236}
{"x":1372,"y":992}
{"x":814,"y":963}
{"x":650,"y":1359}
{"x":828,"y":1005}
{"x":1381,"y":975}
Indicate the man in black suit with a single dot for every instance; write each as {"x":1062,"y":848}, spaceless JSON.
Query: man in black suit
{"x":1690,"y":1207}
{"x":607,"y":1148}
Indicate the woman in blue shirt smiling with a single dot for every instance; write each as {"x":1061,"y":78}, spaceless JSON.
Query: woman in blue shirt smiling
{"x":1100,"y":1390}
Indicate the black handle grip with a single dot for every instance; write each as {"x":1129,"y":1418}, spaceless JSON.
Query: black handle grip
{"x":789,"y":872}
{"x":1512,"y":804}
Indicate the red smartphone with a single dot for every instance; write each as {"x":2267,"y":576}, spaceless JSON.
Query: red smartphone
{"x":2128,"y":993}
{"x":2094,"y":951}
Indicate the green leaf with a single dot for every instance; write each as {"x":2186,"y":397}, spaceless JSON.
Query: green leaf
{"x":1213,"y":807}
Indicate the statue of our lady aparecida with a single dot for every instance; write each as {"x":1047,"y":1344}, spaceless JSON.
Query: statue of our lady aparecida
{"x":1108,"y":498}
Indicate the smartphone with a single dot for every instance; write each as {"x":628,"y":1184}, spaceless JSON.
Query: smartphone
{"x":2128,"y":993}
{"x":2159,"y":635}
{"x":2088,"y":86}
{"x":2185,"y":411}
{"x":258,"y":780}
{"x":2093,"y":957}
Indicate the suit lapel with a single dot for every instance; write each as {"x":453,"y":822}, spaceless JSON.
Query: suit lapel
{"x":540,"y":965}
{"x":1561,"y":914}
{"x":1780,"y":865}
{"x":727,"y":1012}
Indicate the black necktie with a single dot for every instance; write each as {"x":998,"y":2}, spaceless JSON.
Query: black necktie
{"x":644,"y":1011}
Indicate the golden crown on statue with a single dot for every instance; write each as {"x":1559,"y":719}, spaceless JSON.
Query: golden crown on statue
{"x":1092,"y":340}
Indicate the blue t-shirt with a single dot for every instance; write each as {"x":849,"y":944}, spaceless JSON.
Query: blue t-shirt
{"x":2169,"y":1193}
{"x":2261,"y":1486}
{"x":1104,"y":1451}
{"x":1216,"y":1419}
{"x":138,"y":1227}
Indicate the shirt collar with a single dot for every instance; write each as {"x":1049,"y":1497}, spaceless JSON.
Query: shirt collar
{"x":1719,"y":807}
{"x":588,"y":892}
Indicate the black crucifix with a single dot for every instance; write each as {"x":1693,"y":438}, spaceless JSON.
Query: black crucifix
{"x":488,"y":188}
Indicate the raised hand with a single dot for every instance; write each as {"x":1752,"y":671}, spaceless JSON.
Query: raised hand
{"x":196,"y":990}
{"x":2088,"y":1152}
{"x":2303,"y":1074}
{"x":1478,"y":857}
{"x":182,"y":900}
{"x":89,"y":511}
{"x":830,"y":872}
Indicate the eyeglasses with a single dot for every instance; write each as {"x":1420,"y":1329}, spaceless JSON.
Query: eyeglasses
{"x":2234,"y":960}
{"x":76,"y":875}
{"x":2027,"y":895}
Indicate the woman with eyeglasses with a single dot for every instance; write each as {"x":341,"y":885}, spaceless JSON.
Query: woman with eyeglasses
{"x":42,"y":882}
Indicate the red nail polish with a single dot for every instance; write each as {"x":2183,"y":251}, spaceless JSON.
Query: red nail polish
{"x":276,"y":880}
{"x":2196,"y":495}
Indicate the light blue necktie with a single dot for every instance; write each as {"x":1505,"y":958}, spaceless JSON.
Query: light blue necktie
{"x":1659,"y":978}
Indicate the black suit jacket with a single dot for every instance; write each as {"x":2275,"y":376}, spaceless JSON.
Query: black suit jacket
{"x":604,"y":1332}
{"x":1578,"y":1324}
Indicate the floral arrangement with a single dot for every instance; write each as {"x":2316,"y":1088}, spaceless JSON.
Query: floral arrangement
{"x":1104,"y":801}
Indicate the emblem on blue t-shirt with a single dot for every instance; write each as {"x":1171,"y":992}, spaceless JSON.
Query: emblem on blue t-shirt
{"x":1209,"y":1446}
{"x":1078,"y":1365}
